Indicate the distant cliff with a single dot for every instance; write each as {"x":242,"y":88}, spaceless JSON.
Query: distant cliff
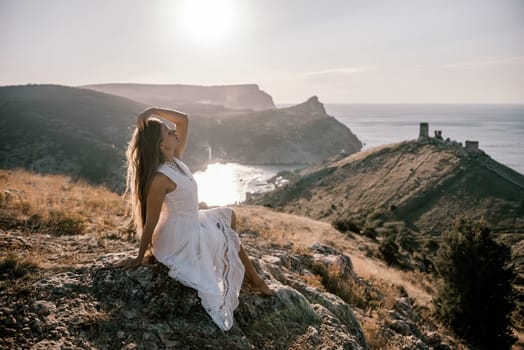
{"x":59,"y":129}
{"x":301,"y":134}
{"x":247,"y":96}
{"x":84,"y":133}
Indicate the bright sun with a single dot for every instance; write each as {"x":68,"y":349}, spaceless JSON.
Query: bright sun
{"x":207,"y":21}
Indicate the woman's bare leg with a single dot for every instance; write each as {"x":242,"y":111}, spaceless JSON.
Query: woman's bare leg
{"x":256,"y":282}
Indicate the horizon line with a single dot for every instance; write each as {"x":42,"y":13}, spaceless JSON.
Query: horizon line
{"x":287,"y":103}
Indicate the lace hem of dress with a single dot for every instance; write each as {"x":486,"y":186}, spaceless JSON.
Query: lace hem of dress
{"x":232,"y":277}
{"x":223,"y":315}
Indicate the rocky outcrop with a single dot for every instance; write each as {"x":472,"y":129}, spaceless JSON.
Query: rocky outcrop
{"x":311,"y":107}
{"x":98,"y":306}
{"x":246,"y":96}
{"x":301,"y":134}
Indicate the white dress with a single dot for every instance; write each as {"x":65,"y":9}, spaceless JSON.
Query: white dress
{"x":199,"y":246}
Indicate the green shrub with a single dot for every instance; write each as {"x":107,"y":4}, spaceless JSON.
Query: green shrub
{"x":379,"y":213}
{"x":476,"y":298}
{"x":60,"y":223}
{"x":345,"y":225}
{"x":375,"y":223}
{"x":389,"y":250}
{"x":369,"y":231}
{"x":431,"y":245}
{"x":382,"y":231}
{"x":406,"y":240}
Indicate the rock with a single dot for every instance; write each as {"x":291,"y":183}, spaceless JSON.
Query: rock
{"x":404,"y":307}
{"x":149,"y":293}
{"x":400,"y":326}
{"x":43,"y":307}
{"x":129,"y":314}
{"x":414,"y":343}
{"x":6,"y":310}
{"x":434,"y":341}
{"x":332,"y":258}
{"x":10,"y":320}
{"x":37,"y":325}
{"x":104,"y":307}
{"x":10,"y":242}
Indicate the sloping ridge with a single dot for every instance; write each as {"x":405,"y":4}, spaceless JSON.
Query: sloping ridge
{"x":242,"y":96}
{"x":60,"y":129}
{"x":425,"y":184}
{"x":84,"y":133}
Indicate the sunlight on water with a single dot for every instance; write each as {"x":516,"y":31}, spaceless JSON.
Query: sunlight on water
{"x":223,"y":184}
{"x":217,"y":185}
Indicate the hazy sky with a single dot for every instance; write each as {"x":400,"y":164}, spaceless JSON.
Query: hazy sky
{"x":349,"y":51}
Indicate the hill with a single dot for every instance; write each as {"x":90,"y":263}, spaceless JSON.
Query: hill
{"x":84,"y":133}
{"x":59,"y":289}
{"x":189,"y":97}
{"x":410,"y":193}
{"x":425,"y":184}
{"x":301,"y":134}
{"x":59,"y":129}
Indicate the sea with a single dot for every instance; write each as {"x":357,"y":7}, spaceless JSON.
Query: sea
{"x":498,"y":128}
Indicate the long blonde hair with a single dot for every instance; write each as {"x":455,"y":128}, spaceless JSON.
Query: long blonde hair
{"x":143,"y":158}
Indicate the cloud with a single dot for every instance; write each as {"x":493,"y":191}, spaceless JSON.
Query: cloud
{"x":485,"y":63}
{"x":337,"y":72}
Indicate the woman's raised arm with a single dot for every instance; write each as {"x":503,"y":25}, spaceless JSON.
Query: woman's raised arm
{"x":180,"y":119}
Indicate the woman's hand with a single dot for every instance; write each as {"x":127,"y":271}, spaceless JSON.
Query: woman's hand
{"x":129,"y":263}
{"x":142,"y":117}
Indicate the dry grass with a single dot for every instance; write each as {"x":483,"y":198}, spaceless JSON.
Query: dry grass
{"x":379,"y":286}
{"x":57,"y":205}
{"x":281,"y":228}
{"x":84,"y":221}
{"x":369,"y":268}
{"x":11,"y":266}
{"x":375,"y":337}
{"x":313,"y":281}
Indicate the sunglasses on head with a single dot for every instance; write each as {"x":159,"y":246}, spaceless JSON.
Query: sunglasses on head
{"x":171,"y":128}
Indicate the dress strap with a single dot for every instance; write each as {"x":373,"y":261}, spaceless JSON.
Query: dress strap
{"x":168,"y":171}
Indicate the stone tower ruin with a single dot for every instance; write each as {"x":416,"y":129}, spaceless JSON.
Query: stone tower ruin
{"x":472,"y":145}
{"x":424,"y":131}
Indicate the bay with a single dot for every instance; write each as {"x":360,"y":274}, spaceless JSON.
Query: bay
{"x":498,"y":128}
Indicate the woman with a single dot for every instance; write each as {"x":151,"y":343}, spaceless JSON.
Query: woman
{"x":200,"y":247}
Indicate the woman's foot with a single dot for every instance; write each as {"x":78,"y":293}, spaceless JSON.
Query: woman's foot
{"x":259,"y":286}
{"x":256,"y":283}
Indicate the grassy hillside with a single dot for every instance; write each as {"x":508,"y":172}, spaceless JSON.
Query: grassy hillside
{"x":55,"y":230}
{"x":405,"y":195}
{"x":58,"y":129}
{"x":425,"y":185}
